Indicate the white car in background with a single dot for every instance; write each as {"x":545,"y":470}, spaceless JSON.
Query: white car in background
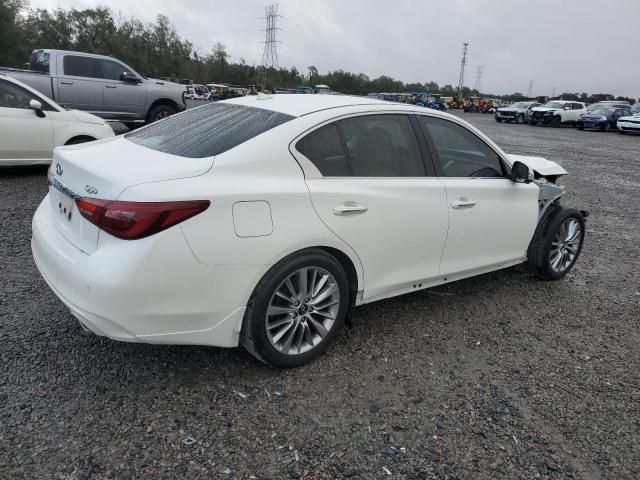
{"x":32,"y":125}
{"x":264,"y":220}
{"x":630,"y":123}
{"x":556,"y":113}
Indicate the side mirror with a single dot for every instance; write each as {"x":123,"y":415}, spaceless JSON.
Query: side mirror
{"x":37,"y":106}
{"x":126,"y":77}
{"x":520,"y":173}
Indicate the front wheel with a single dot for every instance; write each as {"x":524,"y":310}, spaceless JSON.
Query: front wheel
{"x":557,"y":243}
{"x":556,"y":121}
{"x":499,"y":120}
{"x":159,"y":112}
{"x":297,"y":309}
{"x":519,"y":119}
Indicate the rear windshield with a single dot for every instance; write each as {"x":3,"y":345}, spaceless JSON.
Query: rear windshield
{"x":208,"y":130}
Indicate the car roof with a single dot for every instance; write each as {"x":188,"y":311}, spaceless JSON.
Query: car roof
{"x":298,"y":105}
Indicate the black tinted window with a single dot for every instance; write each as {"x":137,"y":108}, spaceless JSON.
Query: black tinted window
{"x":110,"y":70}
{"x":382,"y":146}
{"x":324,"y":148}
{"x":460,"y":152}
{"x":208,"y":130}
{"x":79,"y":66}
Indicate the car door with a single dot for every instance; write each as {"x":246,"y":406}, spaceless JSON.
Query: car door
{"x":577,"y":109}
{"x":373,"y":189}
{"x":491,"y":218}
{"x":122,"y":99}
{"x":79,"y":86}
{"x":24,"y":136}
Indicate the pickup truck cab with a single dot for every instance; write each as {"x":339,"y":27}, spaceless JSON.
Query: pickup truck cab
{"x":103,"y":86}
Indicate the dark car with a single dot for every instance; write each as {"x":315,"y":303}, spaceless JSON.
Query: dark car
{"x":603,"y":118}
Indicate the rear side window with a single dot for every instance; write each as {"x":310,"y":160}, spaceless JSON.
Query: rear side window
{"x":39,"y":61}
{"x":78,"y":66}
{"x":365,"y":146}
{"x":382,"y":146}
{"x":207,"y":131}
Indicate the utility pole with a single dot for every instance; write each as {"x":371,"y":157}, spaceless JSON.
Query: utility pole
{"x":478,"y":84}
{"x":465,"y":47}
{"x":270,"y":54}
{"x":530,"y":91}
{"x":553,"y":94}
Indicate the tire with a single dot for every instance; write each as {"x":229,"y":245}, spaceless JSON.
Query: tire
{"x":605,"y":127}
{"x":499,"y":120}
{"x":556,"y":121}
{"x":580,"y":128}
{"x":519,"y":119}
{"x":159,"y":112}
{"x":296,"y":327}
{"x":621,"y":132}
{"x":557,"y":223}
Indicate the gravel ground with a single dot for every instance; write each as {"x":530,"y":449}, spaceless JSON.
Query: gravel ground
{"x":499,"y":376}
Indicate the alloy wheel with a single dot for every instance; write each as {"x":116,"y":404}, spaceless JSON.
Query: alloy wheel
{"x":565,"y":244}
{"x":302,"y":310}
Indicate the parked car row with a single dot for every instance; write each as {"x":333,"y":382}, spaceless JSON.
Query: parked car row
{"x":604,"y":116}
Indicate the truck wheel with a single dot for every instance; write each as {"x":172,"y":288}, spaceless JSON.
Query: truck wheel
{"x":160,"y":112}
{"x":296,"y":309}
{"x":557,"y":242}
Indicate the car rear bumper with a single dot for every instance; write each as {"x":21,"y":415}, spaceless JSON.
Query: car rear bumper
{"x":151,"y":290}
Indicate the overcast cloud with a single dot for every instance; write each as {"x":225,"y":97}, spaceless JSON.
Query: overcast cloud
{"x":567,"y":44}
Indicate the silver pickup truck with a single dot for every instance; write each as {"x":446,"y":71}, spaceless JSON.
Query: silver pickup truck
{"x":103,"y":86}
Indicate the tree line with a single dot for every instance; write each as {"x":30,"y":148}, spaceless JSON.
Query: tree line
{"x":157,"y":50}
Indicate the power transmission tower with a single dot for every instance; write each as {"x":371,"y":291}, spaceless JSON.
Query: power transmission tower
{"x":465,"y":47}
{"x":270,"y":54}
{"x":478,"y":84}
{"x":530,"y":91}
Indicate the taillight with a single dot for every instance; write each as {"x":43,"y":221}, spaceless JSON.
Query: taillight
{"x":134,"y":220}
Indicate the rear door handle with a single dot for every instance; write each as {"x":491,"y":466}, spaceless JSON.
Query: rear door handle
{"x":462,"y":204}
{"x":66,"y":82}
{"x":349,"y":208}
{"x":111,"y":86}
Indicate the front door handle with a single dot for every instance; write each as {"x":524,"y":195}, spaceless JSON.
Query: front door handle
{"x":111,"y":86}
{"x":349,"y":208}
{"x":462,"y":204}
{"x":66,"y":82}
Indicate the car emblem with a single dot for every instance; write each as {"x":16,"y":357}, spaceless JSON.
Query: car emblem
{"x":90,"y":189}
{"x":59,"y":169}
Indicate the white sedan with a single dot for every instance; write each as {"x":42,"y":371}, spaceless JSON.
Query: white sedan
{"x":629,"y":123}
{"x":264,"y":220}
{"x":31,"y":125}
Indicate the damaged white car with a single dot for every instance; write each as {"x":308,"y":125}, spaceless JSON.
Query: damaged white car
{"x":264,"y":220}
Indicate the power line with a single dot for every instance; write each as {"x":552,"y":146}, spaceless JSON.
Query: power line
{"x":478,"y":85}
{"x":270,"y":53}
{"x":465,"y":47}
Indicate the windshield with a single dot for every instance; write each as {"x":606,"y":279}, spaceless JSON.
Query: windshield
{"x":602,"y":111}
{"x":553,"y":105}
{"x":635,"y":108}
{"x":208,"y":130}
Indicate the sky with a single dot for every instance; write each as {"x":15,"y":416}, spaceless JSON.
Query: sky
{"x":562,"y":45}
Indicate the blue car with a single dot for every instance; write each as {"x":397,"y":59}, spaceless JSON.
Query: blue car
{"x":602,"y":118}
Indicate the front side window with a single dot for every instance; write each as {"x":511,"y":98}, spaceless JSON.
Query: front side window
{"x":12,"y":96}
{"x":110,"y":70}
{"x":460,"y":153}
{"x":77,"y":66}
{"x":208,"y":130}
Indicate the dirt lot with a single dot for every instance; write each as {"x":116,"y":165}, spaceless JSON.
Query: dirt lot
{"x":500,"y":376}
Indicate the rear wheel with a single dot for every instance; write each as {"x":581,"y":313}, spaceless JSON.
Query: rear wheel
{"x":557,"y":243}
{"x":296,"y":309}
{"x":79,"y":140}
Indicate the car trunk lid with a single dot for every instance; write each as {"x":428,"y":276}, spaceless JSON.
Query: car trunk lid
{"x":103,"y":170}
